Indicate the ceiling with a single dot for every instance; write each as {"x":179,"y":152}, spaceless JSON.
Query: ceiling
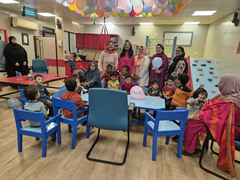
{"x":223,"y":7}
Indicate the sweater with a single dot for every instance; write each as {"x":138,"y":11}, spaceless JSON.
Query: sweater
{"x":194,"y":105}
{"x":113,"y":85}
{"x":180,"y":98}
{"x":126,"y":61}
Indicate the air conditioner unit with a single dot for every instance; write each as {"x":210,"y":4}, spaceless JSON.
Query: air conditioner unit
{"x":23,"y":24}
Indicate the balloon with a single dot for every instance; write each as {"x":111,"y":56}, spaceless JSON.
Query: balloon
{"x":91,"y":3}
{"x":132,"y":14}
{"x":172,"y":8}
{"x":138,"y":9}
{"x":93,"y":15}
{"x":106,"y":14}
{"x":83,"y":15}
{"x":136,"y":3}
{"x":162,"y":1}
{"x":147,"y":9}
{"x":60,"y":1}
{"x":166,"y":12}
{"x":137,"y":14}
{"x":120,"y":14}
{"x":89,"y":10}
{"x":157,"y":62}
{"x":111,"y":3}
{"x":156,"y":10}
{"x":178,"y":11}
{"x":129,"y":8}
{"x":137,"y":92}
{"x":148,"y":3}
{"x":144,"y":14}
{"x":70,"y":2}
{"x":73,"y":7}
{"x":160,"y":13}
{"x":81,"y":4}
{"x":181,"y":5}
{"x":125,"y":14}
{"x":102,"y":3}
{"x":98,"y":10}
{"x":113,"y":15}
{"x":78,"y":11}
{"x":149,"y":14}
{"x":87,"y":16}
{"x":13,"y":103}
{"x":108,"y":9}
{"x":65,"y":4}
{"x":116,"y":10}
{"x":161,"y":5}
{"x":123,"y":4}
{"x":174,"y":2}
{"x":100,"y":15}
{"x":187,"y":1}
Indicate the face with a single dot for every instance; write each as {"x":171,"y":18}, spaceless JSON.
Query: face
{"x":178,"y":52}
{"x":155,"y":86}
{"x":159,"y":50}
{"x":110,"y":47}
{"x":83,"y":83}
{"x":92,"y":67}
{"x":39,"y":80}
{"x":75,"y":72}
{"x":113,"y":78}
{"x":220,"y":86}
{"x":202,"y":96}
{"x":141,"y":49}
{"x":178,"y":82}
{"x":124,"y":71}
{"x":14,"y":41}
{"x":108,"y":70}
{"x":128,"y":80}
{"x":170,"y":82}
{"x":127,"y":46}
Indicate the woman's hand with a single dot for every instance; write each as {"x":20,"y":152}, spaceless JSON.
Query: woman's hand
{"x":87,"y":84}
{"x":17,"y":64}
{"x":158,"y":71}
{"x":190,"y":117}
{"x":24,"y":63}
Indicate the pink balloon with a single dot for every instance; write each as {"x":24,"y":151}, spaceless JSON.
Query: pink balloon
{"x":78,"y":11}
{"x":187,"y":1}
{"x":162,"y":1}
{"x":87,"y":16}
{"x":70,"y":2}
{"x":166,"y":12}
{"x":148,"y":3}
{"x":137,"y":92}
{"x":132,"y":14}
{"x":156,"y":10}
{"x":123,"y":4}
{"x":102,"y":3}
{"x":106,"y":14}
{"x":138,"y":9}
{"x":98,"y":10}
{"x":116,"y":10}
{"x":81,"y":4}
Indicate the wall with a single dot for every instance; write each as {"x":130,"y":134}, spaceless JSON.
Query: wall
{"x":221,"y":45}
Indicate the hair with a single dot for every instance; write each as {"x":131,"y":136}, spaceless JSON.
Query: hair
{"x":127,"y":68}
{"x":71,"y":85}
{"x":155,"y":81}
{"x":183,"y":78}
{"x":30,"y":93}
{"x":171,"y":78}
{"x":37,"y":75}
{"x":114,"y":73}
{"x":109,"y":43}
{"x":82,"y":79}
{"x":161,"y":47}
{"x":74,"y":68}
{"x":182,"y":49}
{"x":130,"y":51}
{"x":198,"y":91}
{"x":128,"y":76}
{"x":109,"y":65}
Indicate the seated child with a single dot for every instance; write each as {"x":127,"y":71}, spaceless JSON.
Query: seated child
{"x":127,"y":84}
{"x":71,"y":95}
{"x":197,"y":101}
{"x":113,"y":83}
{"x":93,"y":76}
{"x":43,"y":93}
{"x":32,"y":94}
{"x":76,"y":73}
{"x":106,"y":76}
{"x":168,"y":91}
{"x":154,"y":89}
{"x":81,"y":81}
{"x":125,"y":72}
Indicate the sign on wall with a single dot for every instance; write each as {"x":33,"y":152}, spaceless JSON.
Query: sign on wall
{"x":184,"y":38}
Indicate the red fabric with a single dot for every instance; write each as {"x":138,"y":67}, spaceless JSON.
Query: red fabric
{"x":126,"y":61}
{"x":126,"y":86}
{"x":169,"y":91}
{"x":106,"y":78}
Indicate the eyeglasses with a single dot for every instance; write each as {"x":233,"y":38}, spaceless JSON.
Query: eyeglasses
{"x":178,"y":51}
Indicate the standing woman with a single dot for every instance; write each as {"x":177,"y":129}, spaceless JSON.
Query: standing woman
{"x":127,"y":58}
{"x":16,"y":58}
{"x":160,"y":72}
{"x":178,"y":65}
{"x":108,"y":56}
{"x":142,"y":67}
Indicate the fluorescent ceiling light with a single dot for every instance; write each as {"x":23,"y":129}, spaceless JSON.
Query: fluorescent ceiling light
{"x":75,"y":23}
{"x":190,"y":23}
{"x":9,"y":2}
{"x":203,"y":13}
{"x":108,"y":23}
{"x":47,"y":14}
{"x":146,"y":23}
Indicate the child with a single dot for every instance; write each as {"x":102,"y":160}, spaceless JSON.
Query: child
{"x":127,"y":84}
{"x":125,"y":72}
{"x":81,"y":81}
{"x":76,"y":73}
{"x":113,"y":83}
{"x":168,"y":91}
{"x":32,"y":94}
{"x":71,"y":95}
{"x":93,"y":76}
{"x":43,"y":93}
{"x":106,"y":76}
{"x":197,"y":101}
{"x":154,"y":89}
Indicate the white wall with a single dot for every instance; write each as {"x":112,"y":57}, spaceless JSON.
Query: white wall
{"x":221,"y":45}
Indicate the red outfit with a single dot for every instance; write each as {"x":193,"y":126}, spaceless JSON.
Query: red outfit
{"x":72,"y":96}
{"x":126,"y":86}
{"x":126,"y":61}
{"x":169,"y":91}
{"x":106,"y":78}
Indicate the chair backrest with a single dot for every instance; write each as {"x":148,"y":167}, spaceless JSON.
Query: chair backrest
{"x":18,"y":73}
{"x":23,"y":115}
{"x":23,"y":100}
{"x":136,"y":84}
{"x":62,"y":87}
{"x":39,"y":66}
{"x":108,"y":109}
{"x":59,"y":93}
{"x":102,"y":84}
{"x":71,"y":64}
{"x":145,"y":90}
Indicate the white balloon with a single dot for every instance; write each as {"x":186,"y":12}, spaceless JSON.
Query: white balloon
{"x":157,"y":62}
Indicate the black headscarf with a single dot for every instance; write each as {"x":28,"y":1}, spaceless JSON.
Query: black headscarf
{"x":10,"y":39}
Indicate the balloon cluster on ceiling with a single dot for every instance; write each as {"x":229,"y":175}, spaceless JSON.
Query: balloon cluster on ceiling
{"x":121,"y":8}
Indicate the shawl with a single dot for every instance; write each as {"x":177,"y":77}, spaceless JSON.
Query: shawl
{"x":93,"y":76}
{"x":174,"y":64}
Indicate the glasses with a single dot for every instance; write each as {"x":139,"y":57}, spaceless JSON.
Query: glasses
{"x":178,"y":51}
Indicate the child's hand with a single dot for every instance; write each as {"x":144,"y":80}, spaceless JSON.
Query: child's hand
{"x":50,"y":97}
{"x":158,"y":71}
{"x":190,"y":117}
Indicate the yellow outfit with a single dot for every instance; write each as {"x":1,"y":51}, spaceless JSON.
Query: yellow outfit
{"x":113,"y":85}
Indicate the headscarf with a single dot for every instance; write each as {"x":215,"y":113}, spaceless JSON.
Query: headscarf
{"x":230,"y":88}
{"x":93,"y":76}
{"x":139,"y":57}
{"x":10,"y":38}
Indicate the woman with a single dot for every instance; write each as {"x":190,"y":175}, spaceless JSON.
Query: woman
{"x":127,"y":58}
{"x":158,"y":73}
{"x":16,"y":58}
{"x":219,"y":114}
{"x":93,"y":76}
{"x":142,"y":67}
{"x":108,"y":56}
{"x":178,"y":64}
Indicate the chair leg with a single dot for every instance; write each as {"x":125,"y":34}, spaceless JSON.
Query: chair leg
{"x":145,"y":136}
{"x":154,"y":148}
{"x":211,"y":147}
{"x":44,"y":146}
{"x":37,"y":139}
{"x":104,"y":161}
{"x":87,"y":131}
{"x":167,"y":140}
{"x":54,"y":137}
{"x":19,"y":142}
{"x":69,"y":128}
{"x":74,"y":136}
{"x":179,"y":150}
{"x":59,"y":134}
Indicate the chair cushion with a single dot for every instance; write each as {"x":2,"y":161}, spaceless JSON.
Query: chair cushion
{"x":28,"y":127}
{"x":165,"y":125}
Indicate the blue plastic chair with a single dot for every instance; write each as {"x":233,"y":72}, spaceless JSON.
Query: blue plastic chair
{"x":163,"y":125}
{"x":145,"y":90}
{"x":39,"y":132}
{"x":116,"y":117}
{"x":62,"y":87}
{"x":71,"y":105}
{"x":102,"y":84}
{"x":39,"y":66}
{"x":59,"y":93}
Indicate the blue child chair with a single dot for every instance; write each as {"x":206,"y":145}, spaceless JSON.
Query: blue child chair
{"x":42,"y":132}
{"x":163,"y":125}
{"x":59,"y":93}
{"x":39,"y":66}
{"x":75,"y":121}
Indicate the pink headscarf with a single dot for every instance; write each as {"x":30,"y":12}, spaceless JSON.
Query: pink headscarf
{"x":230,"y":88}
{"x":139,"y":57}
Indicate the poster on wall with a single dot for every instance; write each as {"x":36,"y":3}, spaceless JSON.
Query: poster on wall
{"x":184,"y":38}
{"x":238,"y":49}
